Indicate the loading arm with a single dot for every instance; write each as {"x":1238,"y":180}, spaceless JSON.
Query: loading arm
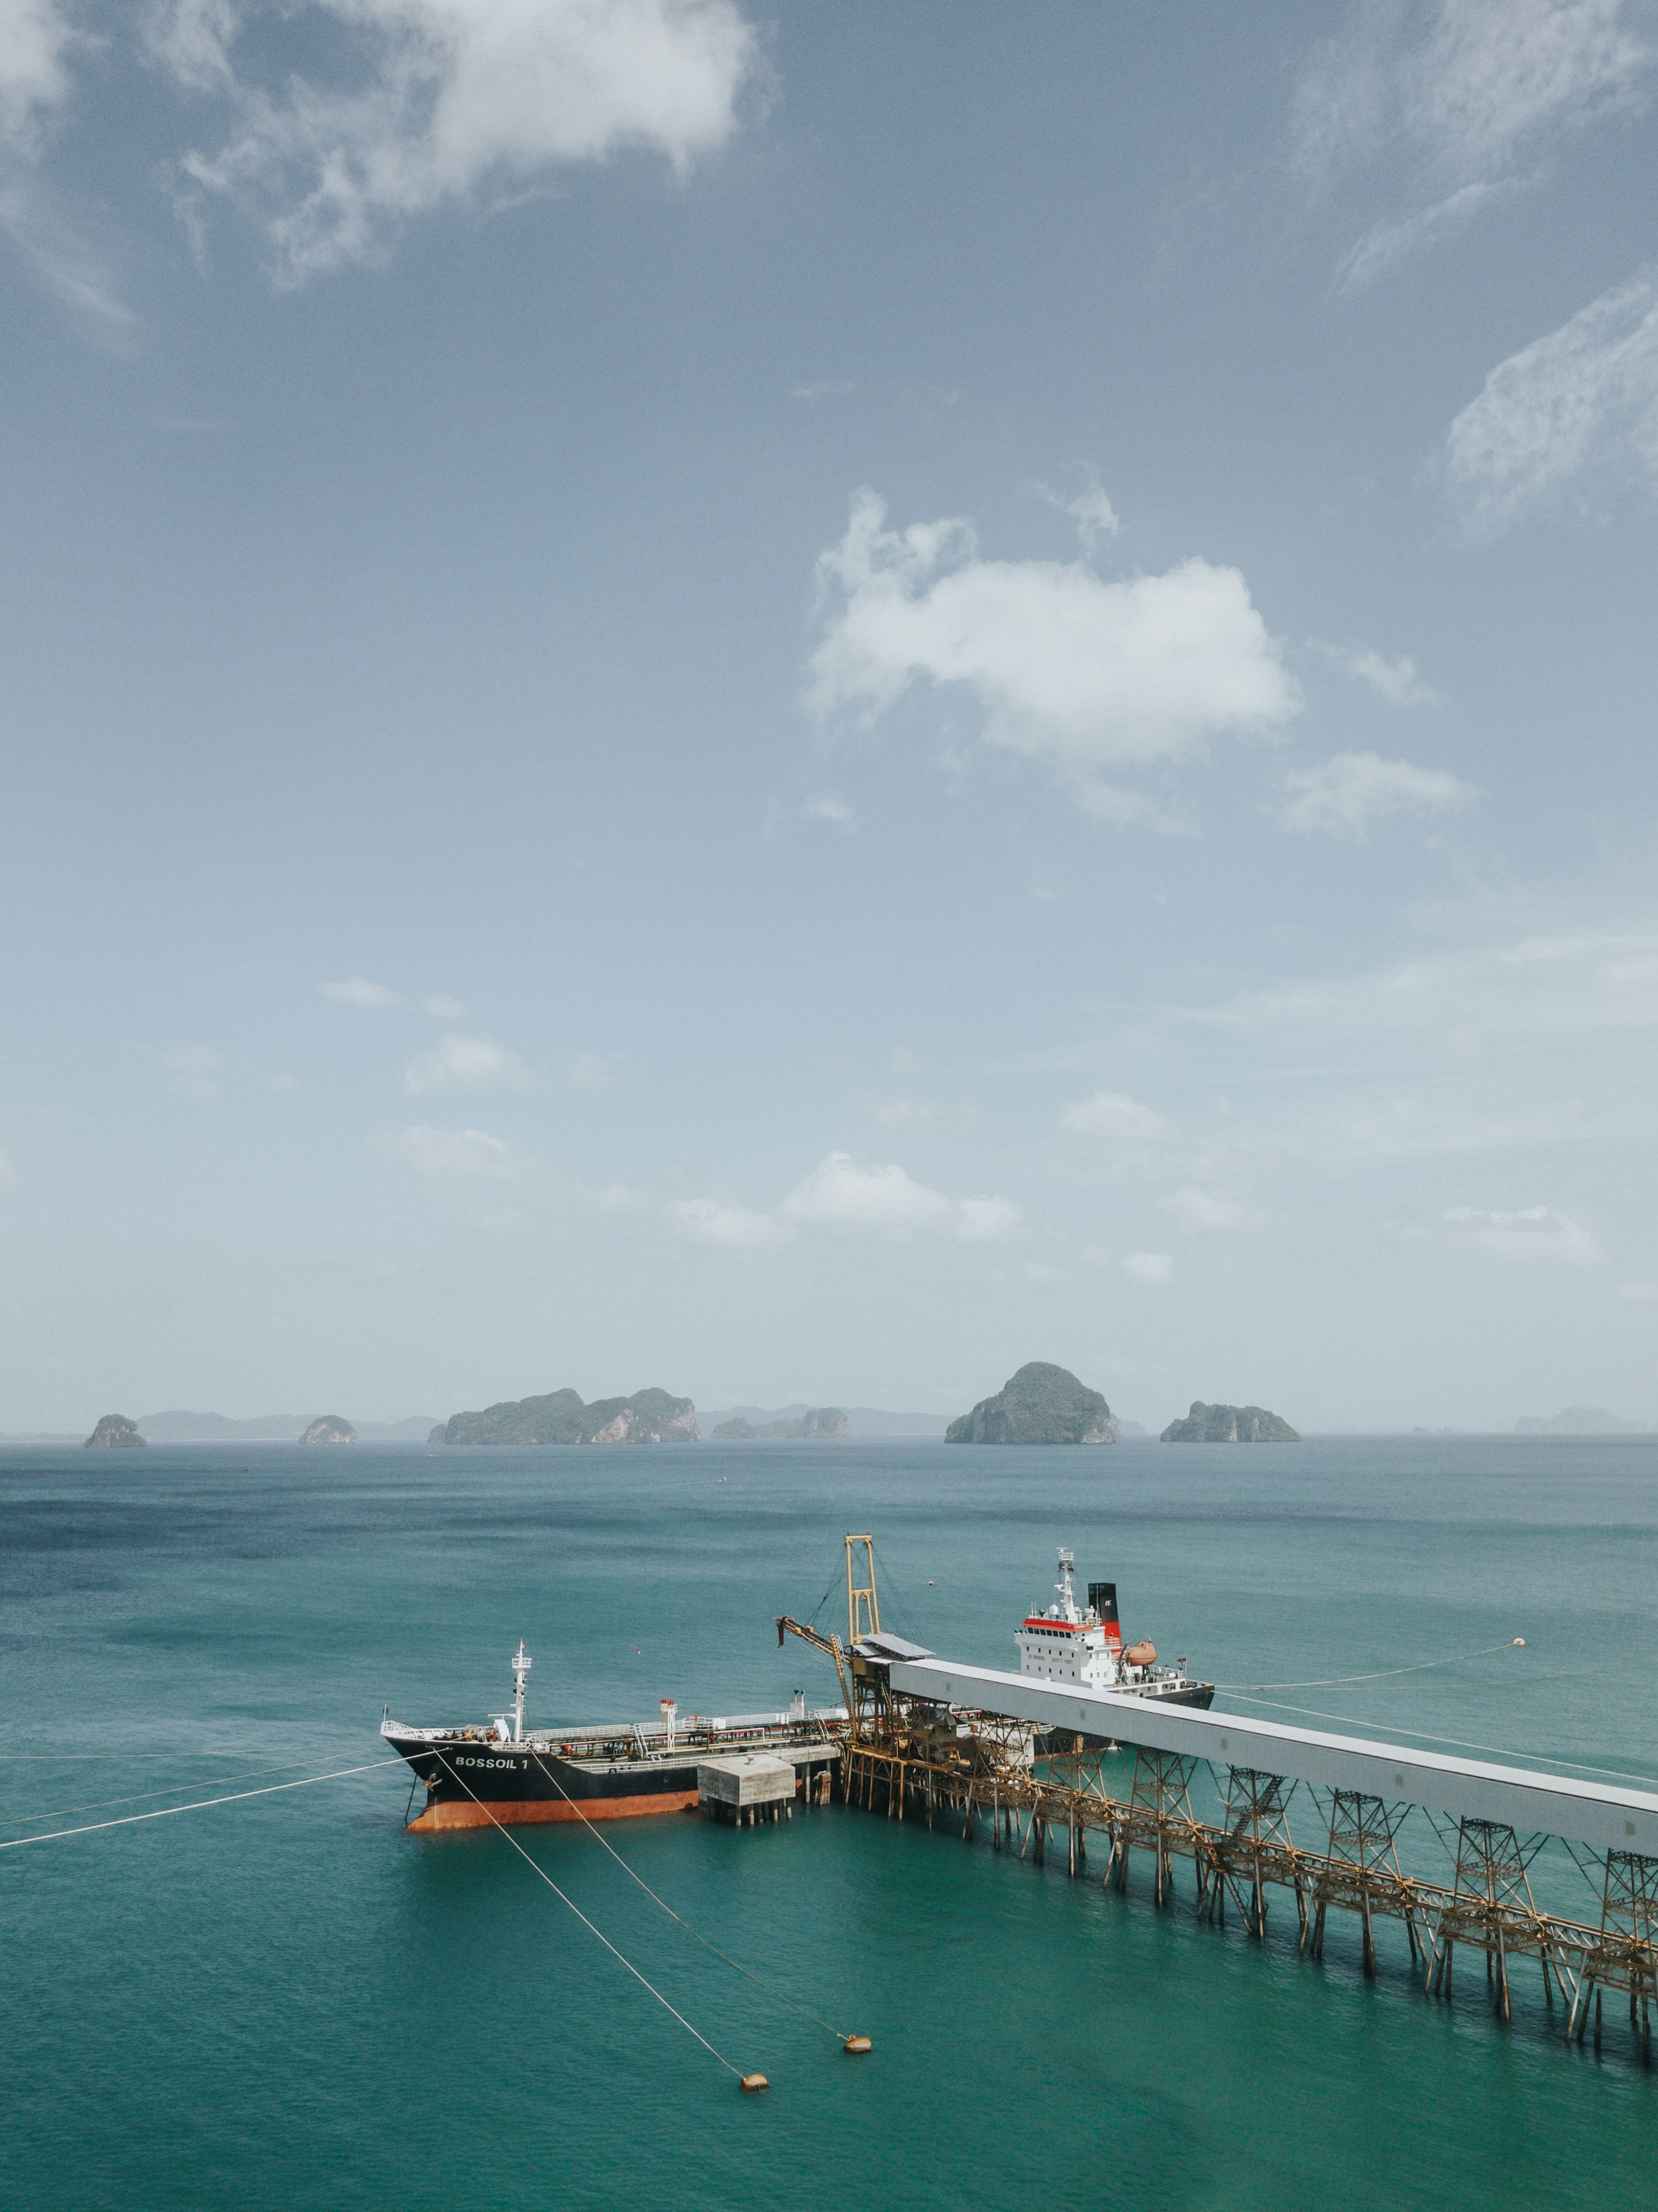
{"x":787,"y":1625}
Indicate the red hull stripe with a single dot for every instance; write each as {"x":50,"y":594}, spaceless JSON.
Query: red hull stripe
{"x":522,"y":1812}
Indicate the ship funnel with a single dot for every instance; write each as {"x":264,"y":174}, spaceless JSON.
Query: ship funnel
{"x":1102,"y":1600}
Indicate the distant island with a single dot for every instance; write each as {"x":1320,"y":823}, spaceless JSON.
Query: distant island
{"x":330,"y":1428}
{"x":816,"y":1424}
{"x":179,"y":1427}
{"x":649,"y":1417}
{"x":113,"y":1432}
{"x":1040,"y":1405}
{"x":1579,"y":1421}
{"x":861,"y":1420}
{"x":1230,"y":1424}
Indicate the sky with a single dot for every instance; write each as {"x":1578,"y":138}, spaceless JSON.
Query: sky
{"x":800,"y":702}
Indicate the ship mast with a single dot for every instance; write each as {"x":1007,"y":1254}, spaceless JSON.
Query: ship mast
{"x":522,"y":1664}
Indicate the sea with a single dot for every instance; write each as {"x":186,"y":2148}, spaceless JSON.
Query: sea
{"x":285,"y":2003}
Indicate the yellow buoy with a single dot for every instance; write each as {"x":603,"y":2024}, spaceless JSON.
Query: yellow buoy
{"x":755,"y":2081}
{"x":857,"y":2045}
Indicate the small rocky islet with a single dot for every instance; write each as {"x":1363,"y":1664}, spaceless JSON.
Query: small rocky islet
{"x":330,"y":1428}
{"x":817,"y":1423}
{"x":648,"y":1417}
{"x":114,"y":1432}
{"x":1230,"y":1424}
{"x":1041,"y":1404}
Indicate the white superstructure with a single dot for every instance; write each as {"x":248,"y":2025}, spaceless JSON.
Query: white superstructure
{"x":1066,"y":1644}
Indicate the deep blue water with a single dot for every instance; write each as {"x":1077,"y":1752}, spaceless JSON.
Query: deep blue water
{"x":288,"y":2002}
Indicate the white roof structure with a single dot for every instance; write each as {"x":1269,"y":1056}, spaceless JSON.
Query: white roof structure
{"x":1599,"y":1813}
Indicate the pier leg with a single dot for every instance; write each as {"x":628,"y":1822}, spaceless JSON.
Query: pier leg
{"x":1318,"y":1927}
{"x":996,"y":1821}
{"x":1039,"y":1857}
{"x":1502,"y":1977}
{"x":1597,"y":2020}
{"x":1071,"y":1868}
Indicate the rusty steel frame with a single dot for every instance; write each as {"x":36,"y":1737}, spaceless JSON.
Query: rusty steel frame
{"x":909,"y":1757}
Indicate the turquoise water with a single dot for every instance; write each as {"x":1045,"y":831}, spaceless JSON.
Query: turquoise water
{"x":288,"y":2002}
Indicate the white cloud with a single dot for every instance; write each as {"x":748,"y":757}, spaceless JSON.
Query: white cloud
{"x":840,"y":1193}
{"x":1466,"y":89}
{"x":1396,"y":680}
{"x":468,"y":1152}
{"x":1639,"y":1294}
{"x":464,"y":1063}
{"x":1154,"y":1268}
{"x":1085,"y":673}
{"x":1583,"y":398}
{"x":195,"y":1070}
{"x":358,"y":991}
{"x":444,"y":1008}
{"x":1197,"y":1209}
{"x":739,"y":1228}
{"x":1090,"y":510}
{"x":461,"y":102}
{"x":1345,"y":794}
{"x":1535,"y":1232}
{"x":35,"y":37}
{"x":1112,"y":1114}
{"x":1467,"y":85}
{"x":834,"y":811}
{"x":987,"y":1220}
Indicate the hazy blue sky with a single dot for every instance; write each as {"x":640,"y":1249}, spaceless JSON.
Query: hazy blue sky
{"x":802,"y":701}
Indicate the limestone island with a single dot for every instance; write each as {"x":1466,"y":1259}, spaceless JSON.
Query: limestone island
{"x":330,"y":1428}
{"x":1040,"y":1405}
{"x":1230,"y":1424}
{"x":649,"y":1417}
{"x":113,"y":1432}
{"x":816,"y":1423}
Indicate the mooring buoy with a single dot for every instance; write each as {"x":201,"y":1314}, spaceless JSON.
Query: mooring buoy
{"x":752,"y":2082}
{"x":857,"y":2045}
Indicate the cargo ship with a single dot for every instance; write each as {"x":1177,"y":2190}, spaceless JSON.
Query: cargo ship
{"x":1069,"y":1643}
{"x":500,"y":1770}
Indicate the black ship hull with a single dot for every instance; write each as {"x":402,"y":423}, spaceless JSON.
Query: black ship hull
{"x":483,"y":1783}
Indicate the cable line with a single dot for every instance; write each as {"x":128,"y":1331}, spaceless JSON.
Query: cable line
{"x":127,"y":1820}
{"x":735,"y":1964}
{"x":63,"y":1811}
{"x":587,"y":1924}
{"x":1338,"y":1682}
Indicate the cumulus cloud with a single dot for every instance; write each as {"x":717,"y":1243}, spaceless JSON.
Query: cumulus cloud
{"x":469,"y":1152}
{"x":1582,"y":401}
{"x":1195,"y":1209}
{"x":436,"y":102}
{"x":1396,"y":680}
{"x":739,"y":1228}
{"x":464,"y":1063}
{"x":1536,"y":1232}
{"x":1154,"y":1268}
{"x":839,"y":1192}
{"x":1345,"y":794}
{"x":1090,"y":508}
{"x":1112,"y":1114}
{"x":194,"y":1071}
{"x":358,"y":991}
{"x":1085,"y":673}
{"x":1466,"y":92}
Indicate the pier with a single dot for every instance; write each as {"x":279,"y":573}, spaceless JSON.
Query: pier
{"x":1037,"y":1767}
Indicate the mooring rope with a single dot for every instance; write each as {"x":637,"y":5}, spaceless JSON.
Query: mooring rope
{"x":583,"y":1918}
{"x":737,"y":1964}
{"x":127,"y":1820}
{"x":138,"y":1796}
{"x":1457,"y":1743}
{"x":1339,"y":1681}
